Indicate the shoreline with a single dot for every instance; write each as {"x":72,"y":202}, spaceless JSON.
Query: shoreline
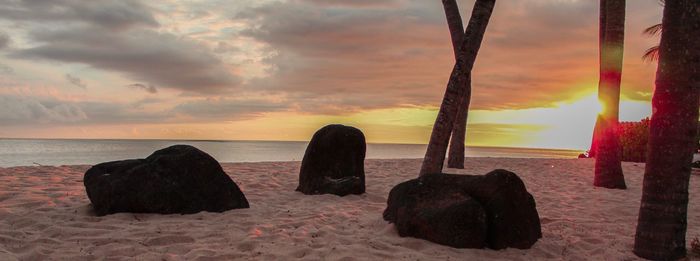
{"x":44,"y":213}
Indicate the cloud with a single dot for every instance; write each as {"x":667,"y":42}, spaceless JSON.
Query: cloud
{"x":163,"y":59}
{"x":355,"y":3}
{"x":109,"y":14}
{"x":402,"y":56}
{"x":147,"y":101}
{"x":121,"y":36}
{"x":336,"y":53}
{"x":4,"y":40}
{"x":75,"y":81}
{"x":19,"y":110}
{"x":150,"y":88}
{"x":4,"y":69}
{"x":223,"y":47}
{"x":228,"y":109}
{"x":315,"y":56}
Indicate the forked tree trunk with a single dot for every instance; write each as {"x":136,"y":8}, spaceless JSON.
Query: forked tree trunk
{"x":437,"y":147}
{"x":662,"y":223}
{"x":608,"y":168}
{"x":456,"y":150}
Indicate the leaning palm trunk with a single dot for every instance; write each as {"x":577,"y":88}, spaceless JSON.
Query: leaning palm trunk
{"x":459,"y":132}
{"x":437,"y":147}
{"x":456,"y":151}
{"x":606,"y":144}
{"x":662,"y":223}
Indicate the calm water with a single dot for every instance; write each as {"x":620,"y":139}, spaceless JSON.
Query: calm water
{"x":24,"y":152}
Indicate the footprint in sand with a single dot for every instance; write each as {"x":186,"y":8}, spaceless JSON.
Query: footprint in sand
{"x":301,"y":252}
{"x":593,"y":240}
{"x":169,"y":240}
{"x":247,"y":246}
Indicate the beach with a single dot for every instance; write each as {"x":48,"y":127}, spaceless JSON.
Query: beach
{"x":45,"y":214}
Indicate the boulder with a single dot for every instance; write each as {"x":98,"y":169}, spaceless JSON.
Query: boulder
{"x":178,"y":179}
{"x":511,"y":218}
{"x":334,"y":162}
{"x":446,"y":216}
{"x":696,"y":165}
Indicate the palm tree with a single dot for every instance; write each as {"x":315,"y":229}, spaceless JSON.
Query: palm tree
{"x":437,"y":147}
{"x":662,"y":222}
{"x":652,"y":54}
{"x":606,"y":143}
{"x":459,"y":132}
{"x":456,"y":151}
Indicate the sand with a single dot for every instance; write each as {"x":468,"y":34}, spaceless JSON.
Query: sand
{"x":45,"y":214}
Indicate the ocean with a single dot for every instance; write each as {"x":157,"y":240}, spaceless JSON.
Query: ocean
{"x":55,"y":152}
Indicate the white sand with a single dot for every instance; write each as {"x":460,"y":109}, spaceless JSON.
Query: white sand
{"x":44,"y":213}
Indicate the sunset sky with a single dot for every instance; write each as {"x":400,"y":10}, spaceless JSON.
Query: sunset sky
{"x":280,"y":70}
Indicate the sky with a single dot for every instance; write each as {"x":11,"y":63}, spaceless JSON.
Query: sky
{"x":282,"y":69}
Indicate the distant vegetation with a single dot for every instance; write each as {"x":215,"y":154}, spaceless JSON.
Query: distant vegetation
{"x":633,"y":140}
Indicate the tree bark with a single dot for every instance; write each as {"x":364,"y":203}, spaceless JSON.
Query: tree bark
{"x":456,"y":150}
{"x":662,"y":223}
{"x":459,"y":131}
{"x":608,"y":167}
{"x":437,"y":147}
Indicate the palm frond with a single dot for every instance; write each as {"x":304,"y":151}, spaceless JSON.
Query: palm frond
{"x":651,"y":55}
{"x":653,"y":30}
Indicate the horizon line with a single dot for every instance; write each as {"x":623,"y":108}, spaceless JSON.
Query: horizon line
{"x":224,"y":140}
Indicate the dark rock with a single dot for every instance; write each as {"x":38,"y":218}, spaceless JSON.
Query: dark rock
{"x":444,"y":215}
{"x":511,"y":215}
{"x":178,"y":179}
{"x":334,"y":162}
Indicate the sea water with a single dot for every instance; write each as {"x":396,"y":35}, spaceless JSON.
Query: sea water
{"x":26,"y":152}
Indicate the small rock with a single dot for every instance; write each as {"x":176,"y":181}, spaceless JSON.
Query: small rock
{"x":334,"y":162}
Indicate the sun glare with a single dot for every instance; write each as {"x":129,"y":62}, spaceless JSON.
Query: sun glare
{"x":596,"y":104}
{"x":567,"y":124}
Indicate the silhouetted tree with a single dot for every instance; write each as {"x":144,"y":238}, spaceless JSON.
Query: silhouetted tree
{"x":437,"y":147}
{"x":662,"y":223}
{"x":455,"y":157}
{"x":606,"y":144}
{"x":652,"y":54}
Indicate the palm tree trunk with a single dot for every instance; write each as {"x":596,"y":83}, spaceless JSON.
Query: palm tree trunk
{"x":437,"y":147}
{"x":608,"y":168}
{"x":459,"y":132}
{"x":456,"y":151}
{"x":662,"y":223}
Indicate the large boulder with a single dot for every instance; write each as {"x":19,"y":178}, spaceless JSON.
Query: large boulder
{"x":334,"y":162}
{"x":445,"y":216}
{"x":178,"y":179}
{"x":511,"y":218}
